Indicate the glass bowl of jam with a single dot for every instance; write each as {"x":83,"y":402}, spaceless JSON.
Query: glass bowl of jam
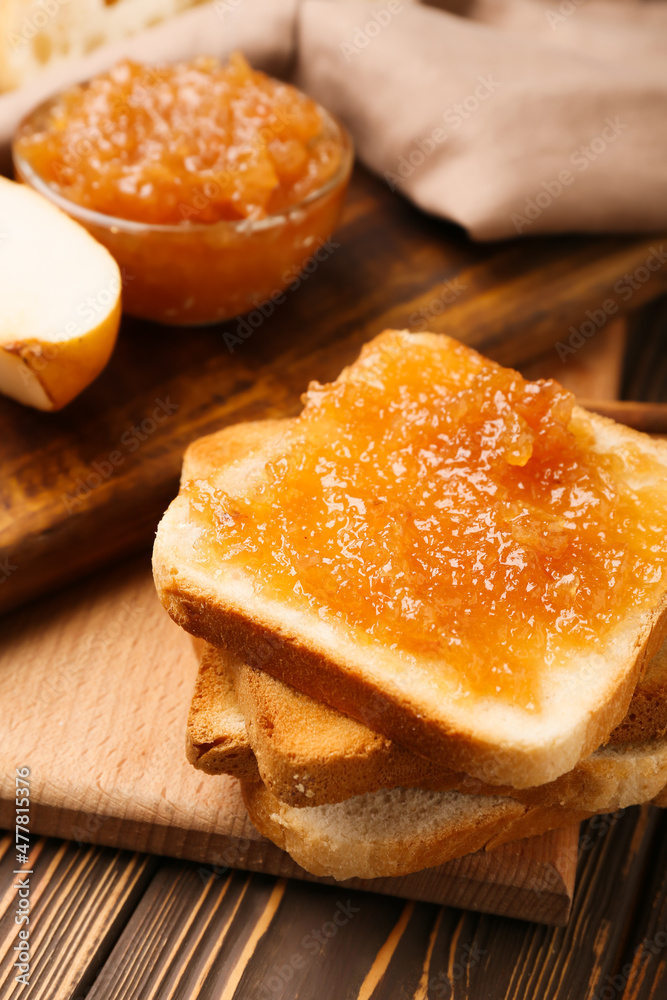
{"x":212,"y":185}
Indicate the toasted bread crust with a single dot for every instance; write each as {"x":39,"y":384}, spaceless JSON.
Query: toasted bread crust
{"x":646,"y":718}
{"x":213,"y":451}
{"x":310,"y":754}
{"x":216,"y":740}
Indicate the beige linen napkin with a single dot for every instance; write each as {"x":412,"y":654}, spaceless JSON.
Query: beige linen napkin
{"x":498,"y":128}
{"x":506,"y":116}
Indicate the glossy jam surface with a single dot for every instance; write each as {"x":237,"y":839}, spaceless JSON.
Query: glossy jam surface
{"x":442,"y":504}
{"x":193,"y":142}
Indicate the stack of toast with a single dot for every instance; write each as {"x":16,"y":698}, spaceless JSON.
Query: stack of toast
{"x":374,"y":729}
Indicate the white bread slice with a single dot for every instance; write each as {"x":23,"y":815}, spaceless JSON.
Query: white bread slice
{"x":497,"y":742}
{"x":308,"y":753}
{"x":37,"y":34}
{"x":395,"y":832}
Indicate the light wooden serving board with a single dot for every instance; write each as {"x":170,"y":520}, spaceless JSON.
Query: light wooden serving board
{"x":95,"y":684}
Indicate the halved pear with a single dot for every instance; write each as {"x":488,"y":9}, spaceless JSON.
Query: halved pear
{"x":59,"y":301}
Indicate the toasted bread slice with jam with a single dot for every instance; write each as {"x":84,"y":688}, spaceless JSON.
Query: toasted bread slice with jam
{"x":561,"y":684}
{"x":311,"y":754}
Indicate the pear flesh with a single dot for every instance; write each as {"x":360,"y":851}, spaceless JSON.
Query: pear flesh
{"x":60,"y":294}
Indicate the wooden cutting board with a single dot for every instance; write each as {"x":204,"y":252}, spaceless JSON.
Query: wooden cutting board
{"x":95,"y":684}
{"x":84,"y":487}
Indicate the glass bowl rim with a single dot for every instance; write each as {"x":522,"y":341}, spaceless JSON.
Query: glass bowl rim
{"x":91,"y":217}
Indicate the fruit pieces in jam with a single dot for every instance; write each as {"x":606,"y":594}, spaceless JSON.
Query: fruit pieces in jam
{"x":189,"y":142}
{"x":445,"y":506}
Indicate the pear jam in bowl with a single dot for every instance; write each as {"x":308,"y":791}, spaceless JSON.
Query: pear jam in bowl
{"x":211,"y":184}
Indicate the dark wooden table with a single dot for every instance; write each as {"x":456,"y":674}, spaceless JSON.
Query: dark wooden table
{"x":110,"y":925}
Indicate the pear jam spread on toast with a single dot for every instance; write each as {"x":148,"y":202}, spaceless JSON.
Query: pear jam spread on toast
{"x":440,"y":505}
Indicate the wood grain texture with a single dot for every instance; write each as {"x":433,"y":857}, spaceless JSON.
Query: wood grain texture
{"x":287,"y":939}
{"x":651,"y":418}
{"x":595,"y":370}
{"x":80,"y":898}
{"x":97,"y":681}
{"x":232,"y":936}
{"x":642,"y":974}
{"x":645,"y":369}
{"x":86,"y":486}
{"x":206,"y":925}
{"x":572,"y":963}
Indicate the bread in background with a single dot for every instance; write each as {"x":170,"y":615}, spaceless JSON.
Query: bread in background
{"x":36,"y":34}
